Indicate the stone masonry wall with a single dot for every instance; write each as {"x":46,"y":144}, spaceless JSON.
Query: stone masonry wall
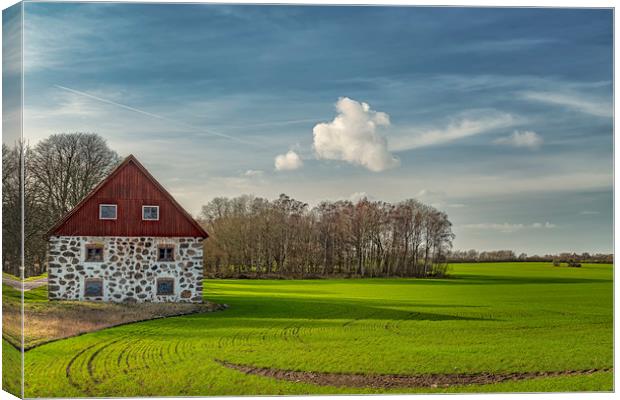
{"x":129,"y":269}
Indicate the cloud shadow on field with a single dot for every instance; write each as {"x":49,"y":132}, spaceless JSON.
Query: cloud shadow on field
{"x":519,"y":280}
{"x":270,"y":308}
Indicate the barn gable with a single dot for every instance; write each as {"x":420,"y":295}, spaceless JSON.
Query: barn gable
{"x":130,"y":187}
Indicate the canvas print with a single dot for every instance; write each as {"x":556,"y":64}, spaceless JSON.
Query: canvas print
{"x":226,"y":199}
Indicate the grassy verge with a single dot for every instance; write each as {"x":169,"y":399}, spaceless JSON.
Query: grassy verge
{"x":47,"y":321}
{"x":30,"y":278}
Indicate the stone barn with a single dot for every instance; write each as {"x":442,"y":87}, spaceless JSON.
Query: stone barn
{"x":128,"y":240}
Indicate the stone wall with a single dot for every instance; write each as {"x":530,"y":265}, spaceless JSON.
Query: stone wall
{"x":129,"y":269}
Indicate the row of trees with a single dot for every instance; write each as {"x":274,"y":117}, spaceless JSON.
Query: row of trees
{"x":57,"y":173}
{"x":254,"y":236}
{"x":509,"y":255}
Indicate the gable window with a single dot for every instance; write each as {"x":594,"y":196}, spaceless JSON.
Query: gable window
{"x":165,"y":252}
{"x":93,"y":287}
{"x":150,"y":213}
{"x":107,"y":211}
{"x":165,"y":286}
{"x":94,"y":253}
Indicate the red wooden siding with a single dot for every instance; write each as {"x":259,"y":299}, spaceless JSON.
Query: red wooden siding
{"x":130,"y":187}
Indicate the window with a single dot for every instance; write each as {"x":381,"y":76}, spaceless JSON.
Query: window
{"x":150,"y":213}
{"x":107,"y":211}
{"x":93,"y":288}
{"x":165,"y":253}
{"x":165,"y":286}
{"x":94,"y":253}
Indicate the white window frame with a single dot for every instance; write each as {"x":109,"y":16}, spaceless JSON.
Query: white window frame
{"x":143,"y":207}
{"x":109,"y":205}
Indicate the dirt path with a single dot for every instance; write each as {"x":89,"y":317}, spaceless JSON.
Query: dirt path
{"x":28,"y":285}
{"x":398,"y":381}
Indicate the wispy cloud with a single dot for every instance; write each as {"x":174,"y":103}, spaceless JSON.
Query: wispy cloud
{"x":49,"y":40}
{"x":430,"y":193}
{"x":254,"y":173}
{"x":149,"y":114}
{"x":506,"y":45}
{"x":97,"y":98}
{"x":589,"y":212}
{"x":528,"y":139}
{"x":509,"y":228}
{"x":273,"y":123}
{"x":572,"y":101}
{"x":357,"y":196}
{"x":12,"y":49}
{"x":466,"y":126}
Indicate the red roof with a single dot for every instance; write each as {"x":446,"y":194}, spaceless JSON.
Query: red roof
{"x":130,"y":186}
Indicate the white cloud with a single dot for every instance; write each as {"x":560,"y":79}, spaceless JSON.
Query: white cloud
{"x":573,"y":101}
{"x":288,"y":161}
{"x":466,"y":126}
{"x":251,"y":173}
{"x":352,"y":136}
{"x":528,"y":139}
{"x":509,"y":228}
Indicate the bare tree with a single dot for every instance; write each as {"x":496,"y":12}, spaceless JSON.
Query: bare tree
{"x":57,"y":173}
{"x":66,"y":167}
{"x":12,"y":158}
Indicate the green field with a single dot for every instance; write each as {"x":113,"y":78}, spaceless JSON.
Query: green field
{"x":484,"y":318}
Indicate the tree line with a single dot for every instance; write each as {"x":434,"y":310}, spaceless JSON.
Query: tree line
{"x":252,"y":236}
{"x":57,"y":173}
{"x":457,"y":256}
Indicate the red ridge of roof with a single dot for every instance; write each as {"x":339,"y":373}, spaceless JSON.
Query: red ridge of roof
{"x":129,"y":159}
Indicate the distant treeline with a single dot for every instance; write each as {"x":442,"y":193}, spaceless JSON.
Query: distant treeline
{"x":255,"y":237}
{"x":457,"y":256}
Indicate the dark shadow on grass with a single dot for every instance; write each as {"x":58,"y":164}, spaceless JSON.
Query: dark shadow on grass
{"x":313,"y":309}
{"x":274,"y":290}
{"x":518,"y":280}
{"x":460,"y":279}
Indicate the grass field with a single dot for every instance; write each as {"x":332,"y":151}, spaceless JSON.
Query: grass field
{"x":490,"y":318}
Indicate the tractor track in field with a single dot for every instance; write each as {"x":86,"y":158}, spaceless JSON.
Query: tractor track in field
{"x":90,"y":366}
{"x":72,"y":361}
{"x":394,"y":381}
{"x":395,"y":326}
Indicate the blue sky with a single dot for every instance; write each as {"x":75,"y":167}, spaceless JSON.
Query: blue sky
{"x":500,"y":117}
